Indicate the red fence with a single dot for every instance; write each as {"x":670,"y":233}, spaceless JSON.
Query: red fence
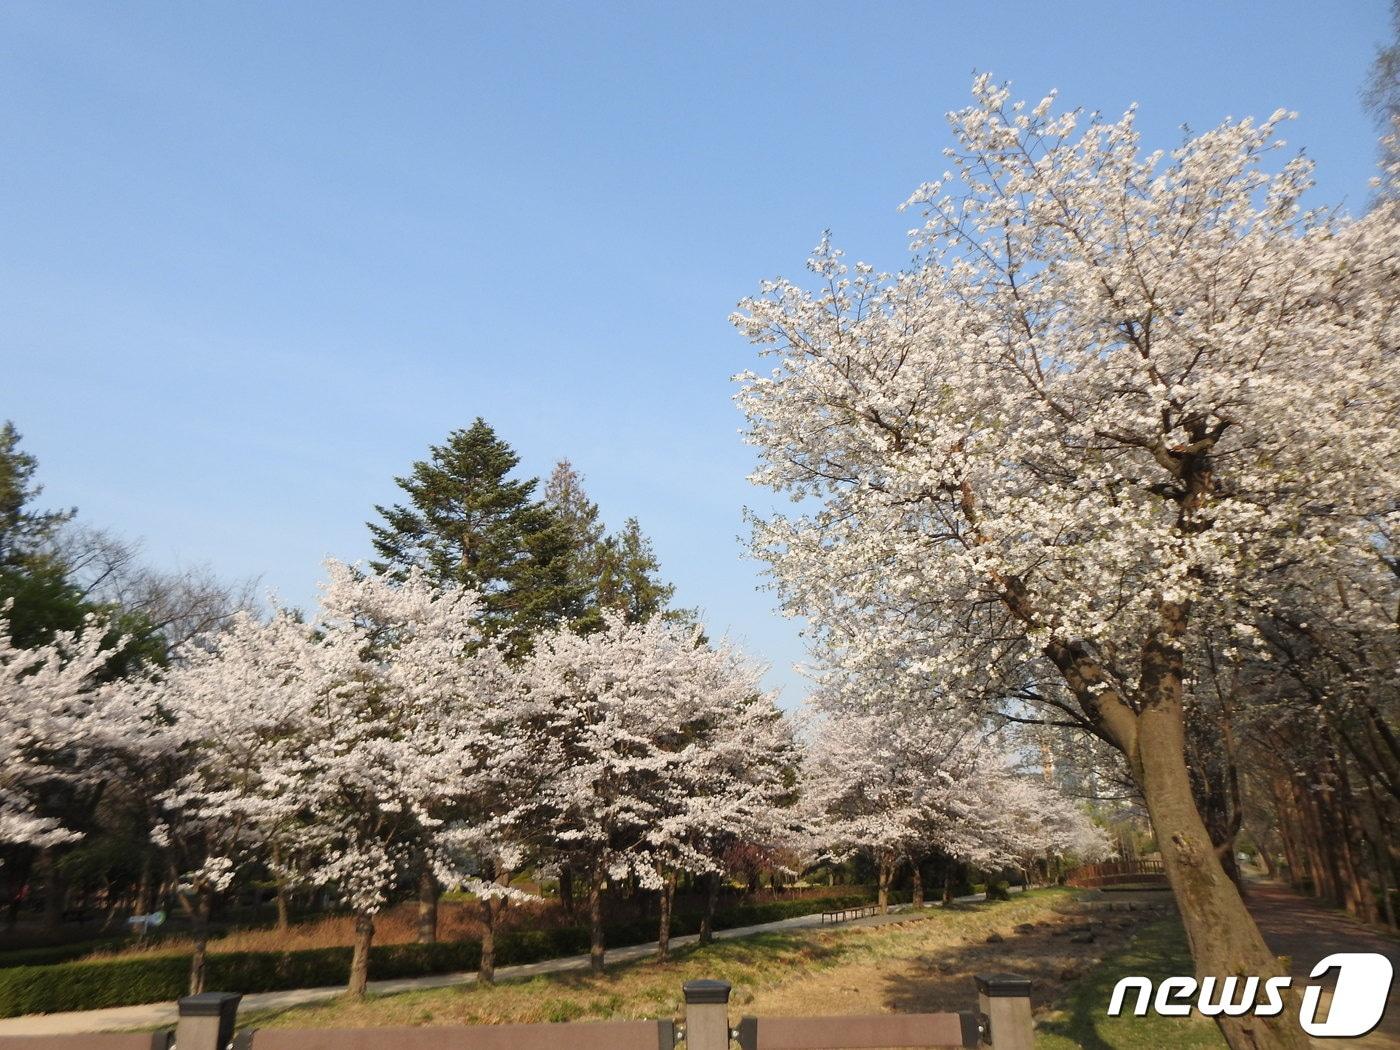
{"x":1146,"y":873}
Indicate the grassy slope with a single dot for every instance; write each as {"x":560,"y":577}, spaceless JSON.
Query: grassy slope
{"x":1158,"y":951}
{"x":647,"y":989}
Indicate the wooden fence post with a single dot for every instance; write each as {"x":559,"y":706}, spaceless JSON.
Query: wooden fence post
{"x":206,"y":1021}
{"x":706,"y":1015}
{"x":1005,"y":1004}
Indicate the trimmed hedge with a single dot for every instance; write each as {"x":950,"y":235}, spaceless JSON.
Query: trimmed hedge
{"x":97,"y":983}
{"x":57,"y":953}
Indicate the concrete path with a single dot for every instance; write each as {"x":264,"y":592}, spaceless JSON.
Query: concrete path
{"x":161,"y":1015}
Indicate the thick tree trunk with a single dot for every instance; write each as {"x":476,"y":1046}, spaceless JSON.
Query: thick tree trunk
{"x":199,"y":958}
{"x":486,"y":971}
{"x":566,"y":890}
{"x":596,"y":948}
{"x":1223,"y":937}
{"x":359,"y":960}
{"x":917,"y":879}
{"x":663,"y":933}
{"x":427,"y":907}
{"x":707,"y":922}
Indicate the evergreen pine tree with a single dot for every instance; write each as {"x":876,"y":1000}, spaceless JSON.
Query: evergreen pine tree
{"x":468,"y":522}
{"x":24,"y":531}
{"x":629,"y":578}
{"x":565,"y":496}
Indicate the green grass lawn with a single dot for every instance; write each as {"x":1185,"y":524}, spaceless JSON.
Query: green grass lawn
{"x":1158,"y":951}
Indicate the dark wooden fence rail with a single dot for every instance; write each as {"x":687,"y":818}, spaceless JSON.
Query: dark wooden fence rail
{"x":1002,"y":1021}
{"x":1119,"y":873}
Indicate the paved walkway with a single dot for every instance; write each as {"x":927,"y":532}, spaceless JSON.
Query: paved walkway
{"x":160,"y":1015}
{"x":1307,"y":932}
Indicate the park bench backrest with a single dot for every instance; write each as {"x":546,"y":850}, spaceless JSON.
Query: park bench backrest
{"x":115,"y":1041}
{"x":941,"y":1031}
{"x":595,"y":1035}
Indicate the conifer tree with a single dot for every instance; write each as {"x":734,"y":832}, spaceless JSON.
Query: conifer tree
{"x":564,"y":495}
{"x":629,"y":579}
{"x":23,"y":530}
{"x":468,"y":522}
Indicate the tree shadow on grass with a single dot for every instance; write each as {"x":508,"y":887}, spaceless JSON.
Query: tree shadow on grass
{"x":942,"y":980}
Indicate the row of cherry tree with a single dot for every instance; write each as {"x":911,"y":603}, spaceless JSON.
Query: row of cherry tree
{"x":389,"y":737}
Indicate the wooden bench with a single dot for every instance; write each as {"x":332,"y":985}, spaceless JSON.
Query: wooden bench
{"x":859,"y":911}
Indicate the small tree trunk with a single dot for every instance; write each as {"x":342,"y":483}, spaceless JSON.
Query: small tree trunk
{"x":1222,"y":935}
{"x":283,"y":913}
{"x":886,"y":876}
{"x":359,"y":960}
{"x":707,"y":922}
{"x":917,"y":896}
{"x":663,"y":937}
{"x":566,"y":890}
{"x":486,"y":971}
{"x":427,"y":907}
{"x":53,"y":892}
{"x":145,"y":887}
{"x":948,"y":883}
{"x":199,"y":959}
{"x":596,"y":947}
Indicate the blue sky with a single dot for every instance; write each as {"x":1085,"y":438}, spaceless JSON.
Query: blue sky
{"x":257,"y":257}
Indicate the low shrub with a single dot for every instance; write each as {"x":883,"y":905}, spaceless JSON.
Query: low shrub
{"x":92,"y":984}
{"x":998,"y":891}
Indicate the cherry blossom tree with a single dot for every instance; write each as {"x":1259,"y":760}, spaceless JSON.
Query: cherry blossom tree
{"x":355,"y":743}
{"x":905,"y":783}
{"x":61,"y":721}
{"x":642,"y":731}
{"x":1110,"y":398}
{"x":235,"y":707}
{"x":735,"y":783}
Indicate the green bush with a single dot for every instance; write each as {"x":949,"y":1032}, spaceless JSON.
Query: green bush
{"x":95,"y":983}
{"x":998,"y":891}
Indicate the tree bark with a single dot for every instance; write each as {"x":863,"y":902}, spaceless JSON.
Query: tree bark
{"x":916,"y":876}
{"x":707,"y":922}
{"x":427,"y":907}
{"x":1223,"y":937}
{"x":596,"y":948}
{"x":283,"y":912}
{"x":566,"y":890}
{"x":200,"y":956}
{"x":359,"y":960}
{"x":886,"y":876}
{"x":54,"y":891}
{"x":663,"y":934}
{"x":486,"y":971}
